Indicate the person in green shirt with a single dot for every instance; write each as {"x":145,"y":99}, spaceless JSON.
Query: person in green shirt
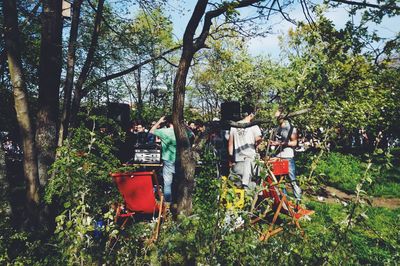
{"x":168,"y":146}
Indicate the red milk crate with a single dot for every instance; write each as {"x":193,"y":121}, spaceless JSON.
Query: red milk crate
{"x":280,"y":167}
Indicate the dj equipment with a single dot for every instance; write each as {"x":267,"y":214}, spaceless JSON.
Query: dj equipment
{"x":150,"y":156}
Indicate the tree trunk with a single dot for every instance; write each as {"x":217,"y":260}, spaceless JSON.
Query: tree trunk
{"x":190,"y":47}
{"x":12,"y":42}
{"x":76,"y":102}
{"x":69,"y":80}
{"x":138,"y":78}
{"x":187,"y":163}
{"x":49,"y":86}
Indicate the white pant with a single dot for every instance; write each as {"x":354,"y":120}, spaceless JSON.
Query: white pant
{"x":246,"y":169}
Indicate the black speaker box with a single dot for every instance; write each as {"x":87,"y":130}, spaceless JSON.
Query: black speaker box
{"x":230,"y":111}
{"x":120,"y":113}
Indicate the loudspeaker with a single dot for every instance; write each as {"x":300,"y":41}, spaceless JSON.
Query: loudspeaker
{"x":120,"y":113}
{"x":230,"y":111}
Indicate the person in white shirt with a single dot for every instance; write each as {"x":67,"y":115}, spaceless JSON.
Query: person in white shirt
{"x":242,"y":145}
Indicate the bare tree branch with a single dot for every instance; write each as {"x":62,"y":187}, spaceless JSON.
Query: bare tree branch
{"x":365,"y":4}
{"x":215,"y":13}
{"x":129,"y":70}
{"x":169,"y":62}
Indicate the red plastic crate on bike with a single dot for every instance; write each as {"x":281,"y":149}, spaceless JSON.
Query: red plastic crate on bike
{"x":280,"y":167}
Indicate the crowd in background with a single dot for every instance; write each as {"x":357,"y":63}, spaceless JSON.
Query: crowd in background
{"x":139,"y":135}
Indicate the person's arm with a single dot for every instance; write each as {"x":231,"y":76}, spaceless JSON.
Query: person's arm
{"x":230,"y":148}
{"x":292,"y":142}
{"x":293,"y":139}
{"x":157,"y":125}
{"x":257,"y":136}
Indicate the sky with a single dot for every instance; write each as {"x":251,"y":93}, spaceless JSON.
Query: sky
{"x":270,"y":44}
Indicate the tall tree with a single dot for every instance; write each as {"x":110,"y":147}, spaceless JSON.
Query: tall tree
{"x":149,"y":34}
{"x":49,"y":85}
{"x":191,"y":45}
{"x":330,"y":72}
{"x":87,"y":66}
{"x":13,"y":49}
{"x":69,"y":79}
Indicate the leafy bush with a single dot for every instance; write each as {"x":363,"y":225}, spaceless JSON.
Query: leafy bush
{"x":19,"y":247}
{"x":213,"y":235}
{"x":84,"y":162}
{"x":82,"y":191}
{"x":386,"y":174}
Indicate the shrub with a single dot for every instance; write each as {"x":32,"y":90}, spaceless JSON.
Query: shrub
{"x":82,"y":192}
{"x":84,"y":162}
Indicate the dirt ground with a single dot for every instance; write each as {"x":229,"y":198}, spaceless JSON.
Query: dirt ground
{"x":332,"y":195}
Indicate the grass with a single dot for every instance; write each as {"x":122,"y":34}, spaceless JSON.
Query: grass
{"x":344,"y":172}
{"x":373,"y":240}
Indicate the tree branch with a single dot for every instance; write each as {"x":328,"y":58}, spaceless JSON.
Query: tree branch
{"x":129,"y":70}
{"x":92,"y":48}
{"x":365,"y":4}
{"x":169,"y":62}
{"x":217,"y":12}
{"x":194,"y":21}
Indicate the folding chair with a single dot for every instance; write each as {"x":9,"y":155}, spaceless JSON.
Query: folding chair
{"x":138,"y":192}
{"x":280,"y":203}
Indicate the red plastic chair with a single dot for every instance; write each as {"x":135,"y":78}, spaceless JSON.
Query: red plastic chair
{"x":137,"y":190}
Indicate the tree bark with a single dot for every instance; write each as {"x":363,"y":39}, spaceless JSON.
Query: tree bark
{"x":138,"y":79}
{"x":187,"y":163}
{"x":76,"y":102}
{"x":4,"y":185}
{"x":12,"y":43}
{"x":49,"y":86}
{"x":69,"y":80}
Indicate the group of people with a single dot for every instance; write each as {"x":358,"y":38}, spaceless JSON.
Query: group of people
{"x":139,"y":134}
{"x":163,"y":130}
{"x":242,"y":142}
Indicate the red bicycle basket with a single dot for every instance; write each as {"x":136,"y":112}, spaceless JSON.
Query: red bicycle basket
{"x":280,"y":167}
